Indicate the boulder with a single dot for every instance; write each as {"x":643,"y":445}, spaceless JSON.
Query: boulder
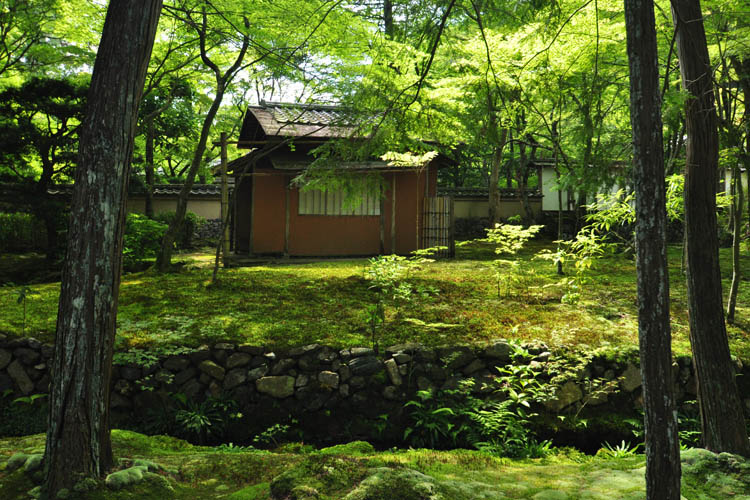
{"x":256,"y":373}
{"x":19,"y":376}
{"x":456,"y":357}
{"x":366,"y":365}
{"x":5,"y":357}
{"x":630,"y":379}
{"x":235,"y":377}
{"x":391,"y":368}
{"x":238,"y":359}
{"x":278,"y":387}
{"x":566,"y":395}
{"x":212,"y":369}
{"x":177,"y":363}
{"x":328,"y":380}
{"x":499,"y":350}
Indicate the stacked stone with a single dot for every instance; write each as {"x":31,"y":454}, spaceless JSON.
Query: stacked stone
{"x":316,"y":378}
{"x":23,"y":366}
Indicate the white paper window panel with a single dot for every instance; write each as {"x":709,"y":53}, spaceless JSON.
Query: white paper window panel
{"x":316,"y":202}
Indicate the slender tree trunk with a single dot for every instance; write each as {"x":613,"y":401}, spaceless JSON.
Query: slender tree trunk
{"x":164,"y":258}
{"x":388,"y":18}
{"x":738,"y":202}
{"x":722,"y":419}
{"x":78,"y":433}
{"x":662,"y":442}
{"x":150,"y":169}
{"x":497,"y":161}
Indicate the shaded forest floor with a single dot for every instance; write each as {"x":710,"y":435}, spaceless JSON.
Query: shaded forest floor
{"x":288,"y":302}
{"x":174,"y":469}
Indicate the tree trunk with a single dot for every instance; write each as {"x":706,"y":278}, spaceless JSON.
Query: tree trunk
{"x":164,"y":258}
{"x":737,"y":203}
{"x":388,"y":18}
{"x":497,"y":161}
{"x":722,"y":419}
{"x":150,"y":170}
{"x":78,"y":439}
{"x":662,"y":442}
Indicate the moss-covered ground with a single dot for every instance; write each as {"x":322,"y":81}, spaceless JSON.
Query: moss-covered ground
{"x":292,"y":302}
{"x":357,"y":472}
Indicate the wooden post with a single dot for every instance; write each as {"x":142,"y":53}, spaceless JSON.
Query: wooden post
{"x":286,"y":224}
{"x":382,"y":220}
{"x":393,"y":213}
{"x":452,"y":229}
{"x":224,"y":200}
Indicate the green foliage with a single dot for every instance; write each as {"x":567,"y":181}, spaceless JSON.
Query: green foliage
{"x":141,"y":240}
{"x":500,"y":426}
{"x":23,"y":415}
{"x":278,"y":433}
{"x":622,"y":450}
{"x":387,"y":275}
{"x":197,"y":422}
{"x":190,"y":225}
{"x":24,"y":293}
{"x":20,"y":232}
{"x":508,"y":240}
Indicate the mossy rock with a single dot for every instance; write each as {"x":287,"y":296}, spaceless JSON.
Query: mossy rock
{"x":410,"y":485}
{"x":719,"y":475}
{"x":327,"y":475}
{"x":354,"y":448}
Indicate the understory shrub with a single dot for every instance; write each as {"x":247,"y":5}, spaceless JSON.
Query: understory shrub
{"x":22,"y":416}
{"x":141,"y":240}
{"x":190,"y":225}
{"x":21,"y":232}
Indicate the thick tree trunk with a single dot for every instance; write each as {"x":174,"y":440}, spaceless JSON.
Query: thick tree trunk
{"x":662,"y":442}
{"x":78,"y":440}
{"x":722,"y":419}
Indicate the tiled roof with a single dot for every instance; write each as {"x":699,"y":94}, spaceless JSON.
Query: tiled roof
{"x":483,"y":192}
{"x":198,"y":190}
{"x":277,"y":119}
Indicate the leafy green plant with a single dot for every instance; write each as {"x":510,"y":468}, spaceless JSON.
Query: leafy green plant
{"x":438,"y":417}
{"x":277,"y":434}
{"x":623,"y":450}
{"x":141,"y":240}
{"x":508,"y":239}
{"x":23,"y":295}
{"x":197,"y":422}
{"x":387,"y":275}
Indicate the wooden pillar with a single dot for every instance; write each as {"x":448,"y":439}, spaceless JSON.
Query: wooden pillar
{"x":286,"y":223}
{"x":252,"y":209}
{"x":224,"y":200}
{"x":393,"y":213}
{"x":382,"y":219}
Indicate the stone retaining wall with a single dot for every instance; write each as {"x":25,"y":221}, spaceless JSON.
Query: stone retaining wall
{"x":339,"y":392}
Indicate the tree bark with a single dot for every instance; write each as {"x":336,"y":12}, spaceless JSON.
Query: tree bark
{"x":149,"y":168}
{"x":78,"y":433}
{"x":164,"y":258}
{"x":722,"y":418}
{"x":662,"y":442}
{"x":737,"y":203}
{"x":497,"y":161}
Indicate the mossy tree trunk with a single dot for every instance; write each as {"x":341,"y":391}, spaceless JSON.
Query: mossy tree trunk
{"x":78,"y":434}
{"x":662,"y":442}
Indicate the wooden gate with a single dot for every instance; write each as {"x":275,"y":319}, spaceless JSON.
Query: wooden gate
{"x":438,"y":226}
